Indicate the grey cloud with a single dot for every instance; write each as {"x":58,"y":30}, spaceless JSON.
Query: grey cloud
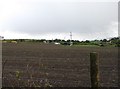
{"x":81,"y":17}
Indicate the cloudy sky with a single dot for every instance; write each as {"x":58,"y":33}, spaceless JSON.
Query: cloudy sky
{"x":51,"y":19}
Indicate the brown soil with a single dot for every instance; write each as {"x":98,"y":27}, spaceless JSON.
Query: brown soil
{"x":56,"y":65}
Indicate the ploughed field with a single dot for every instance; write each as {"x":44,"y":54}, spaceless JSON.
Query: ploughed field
{"x":41,"y":65}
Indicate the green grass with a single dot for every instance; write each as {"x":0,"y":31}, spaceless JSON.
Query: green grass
{"x":86,"y":45}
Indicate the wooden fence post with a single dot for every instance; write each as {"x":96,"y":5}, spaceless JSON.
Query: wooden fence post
{"x":94,"y":74}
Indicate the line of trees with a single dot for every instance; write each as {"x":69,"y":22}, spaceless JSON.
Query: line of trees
{"x":103,"y":42}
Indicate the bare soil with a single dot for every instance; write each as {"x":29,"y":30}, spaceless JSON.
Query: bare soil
{"x":56,"y":65}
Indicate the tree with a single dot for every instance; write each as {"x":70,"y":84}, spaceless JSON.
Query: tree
{"x":104,"y":40}
{"x":87,"y":41}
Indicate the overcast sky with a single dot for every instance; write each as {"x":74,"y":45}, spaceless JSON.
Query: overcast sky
{"x":51,"y":19}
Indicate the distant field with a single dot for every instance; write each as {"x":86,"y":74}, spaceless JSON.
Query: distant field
{"x":34,"y":64}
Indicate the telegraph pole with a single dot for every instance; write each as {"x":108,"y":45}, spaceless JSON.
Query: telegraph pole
{"x":70,"y":38}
